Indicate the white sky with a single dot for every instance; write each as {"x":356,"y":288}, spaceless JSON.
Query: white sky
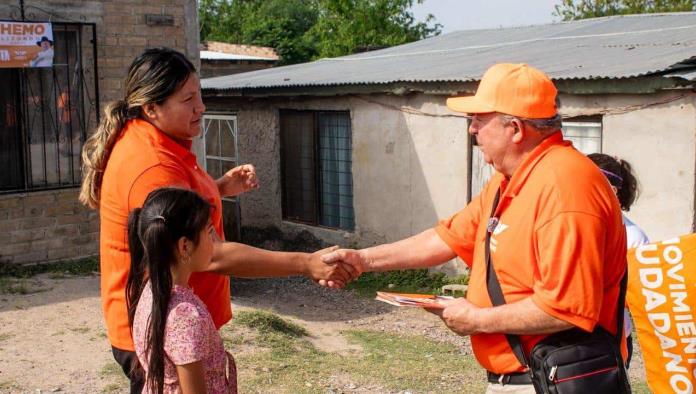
{"x":480,"y":14}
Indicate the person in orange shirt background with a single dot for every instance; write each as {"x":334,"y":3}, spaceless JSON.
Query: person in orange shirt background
{"x":557,"y":243}
{"x":142,"y":143}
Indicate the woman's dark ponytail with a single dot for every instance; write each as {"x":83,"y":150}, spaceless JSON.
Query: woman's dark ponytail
{"x":628,"y":193}
{"x":619,"y":173}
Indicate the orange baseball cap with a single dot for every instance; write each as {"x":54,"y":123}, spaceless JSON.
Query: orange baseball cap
{"x":512,"y":89}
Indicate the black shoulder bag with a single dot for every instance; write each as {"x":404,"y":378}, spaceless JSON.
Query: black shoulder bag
{"x":571,"y":361}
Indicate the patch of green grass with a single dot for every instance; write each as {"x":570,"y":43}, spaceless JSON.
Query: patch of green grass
{"x":5,"y":336}
{"x":9,"y":385}
{"x":21,"y":286}
{"x":388,"y":362}
{"x":79,"y":330}
{"x":114,"y":374}
{"x":639,"y":387}
{"x":415,"y":363}
{"x":273,"y":330}
{"x":235,"y":340}
{"x":112,"y":388}
{"x":406,"y":281}
{"x":111,"y":369}
{"x":69,"y":267}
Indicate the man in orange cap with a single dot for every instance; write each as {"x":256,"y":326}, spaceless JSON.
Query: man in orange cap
{"x":557,"y":244}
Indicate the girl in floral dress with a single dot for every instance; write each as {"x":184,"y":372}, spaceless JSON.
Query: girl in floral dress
{"x":176,"y":342}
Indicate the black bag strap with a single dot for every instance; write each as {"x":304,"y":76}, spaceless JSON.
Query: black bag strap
{"x":493,"y":285}
{"x":497,"y":298}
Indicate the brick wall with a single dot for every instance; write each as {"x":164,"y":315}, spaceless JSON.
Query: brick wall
{"x":51,"y":225}
{"x":46,"y":226}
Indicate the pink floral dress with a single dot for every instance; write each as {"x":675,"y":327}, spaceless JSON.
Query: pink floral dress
{"x":190,"y":336}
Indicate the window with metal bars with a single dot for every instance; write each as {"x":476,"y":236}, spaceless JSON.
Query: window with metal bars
{"x":317,"y":179}
{"x":584,"y":132}
{"x":45,"y":114}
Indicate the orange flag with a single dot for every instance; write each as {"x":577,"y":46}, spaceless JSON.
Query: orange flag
{"x":661,"y":297}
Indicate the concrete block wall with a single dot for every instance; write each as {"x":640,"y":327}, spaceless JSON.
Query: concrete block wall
{"x":40,"y":226}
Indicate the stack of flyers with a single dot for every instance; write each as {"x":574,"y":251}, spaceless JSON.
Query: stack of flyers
{"x":429,"y":301}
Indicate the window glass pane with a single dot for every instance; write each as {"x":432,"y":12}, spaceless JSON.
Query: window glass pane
{"x":212,"y":138}
{"x":11,"y":144}
{"x":298,"y":166}
{"x":481,"y":172}
{"x":37,"y":120}
{"x":336,"y":180}
{"x":231,"y":220}
{"x":227,"y":139}
{"x":213,"y":168}
{"x":586,"y":137}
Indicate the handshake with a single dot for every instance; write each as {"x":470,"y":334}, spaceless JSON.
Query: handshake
{"x":334,"y":267}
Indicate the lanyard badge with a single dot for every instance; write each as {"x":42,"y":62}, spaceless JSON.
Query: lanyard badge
{"x":492,"y":224}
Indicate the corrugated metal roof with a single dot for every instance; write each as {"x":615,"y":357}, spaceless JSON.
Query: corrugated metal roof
{"x":609,"y":47}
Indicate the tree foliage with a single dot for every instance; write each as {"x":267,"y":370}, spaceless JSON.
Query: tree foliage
{"x":345,"y":26}
{"x":582,"y":9}
{"x":304,"y":30}
{"x":281,"y":24}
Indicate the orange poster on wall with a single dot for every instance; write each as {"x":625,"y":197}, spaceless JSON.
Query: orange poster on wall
{"x":26,"y":44}
{"x":662,"y":297}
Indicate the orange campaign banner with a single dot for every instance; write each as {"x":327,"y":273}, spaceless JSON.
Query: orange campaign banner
{"x":26,"y":44}
{"x":661,"y":297}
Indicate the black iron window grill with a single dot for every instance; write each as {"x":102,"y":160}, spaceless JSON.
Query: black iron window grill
{"x":46,"y":112}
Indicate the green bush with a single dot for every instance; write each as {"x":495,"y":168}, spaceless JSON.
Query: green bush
{"x":71,"y":267}
{"x":419,"y":280}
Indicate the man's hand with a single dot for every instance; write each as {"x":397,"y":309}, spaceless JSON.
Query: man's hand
{"x":460,"y":316}
{"x":352,"y":261}
{"x":329,"y":274}
{"x":238,"y":180}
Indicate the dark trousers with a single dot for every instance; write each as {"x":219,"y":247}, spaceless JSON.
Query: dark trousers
{"x":128,"y":362}
{"x":629,"y":347}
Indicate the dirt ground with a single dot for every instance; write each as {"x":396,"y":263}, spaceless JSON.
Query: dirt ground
{"x":53,"y":340}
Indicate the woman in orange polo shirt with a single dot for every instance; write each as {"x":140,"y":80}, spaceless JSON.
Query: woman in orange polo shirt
{"x":144,"y":142}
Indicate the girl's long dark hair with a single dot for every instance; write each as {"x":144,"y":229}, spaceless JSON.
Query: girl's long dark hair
{"x":153,"y":232}
{"x":620,"y":175}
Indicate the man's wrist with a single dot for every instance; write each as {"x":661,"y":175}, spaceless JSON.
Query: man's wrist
{"x":482,"y":321}
{"x":366,"y":262}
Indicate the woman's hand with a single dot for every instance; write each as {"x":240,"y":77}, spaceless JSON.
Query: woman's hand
{"x":349,"y":261}
{"x":238,"y":180}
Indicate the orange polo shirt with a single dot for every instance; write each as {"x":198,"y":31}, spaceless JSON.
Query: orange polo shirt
{"x":142,"y":160}
{"x":560,"y":241}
